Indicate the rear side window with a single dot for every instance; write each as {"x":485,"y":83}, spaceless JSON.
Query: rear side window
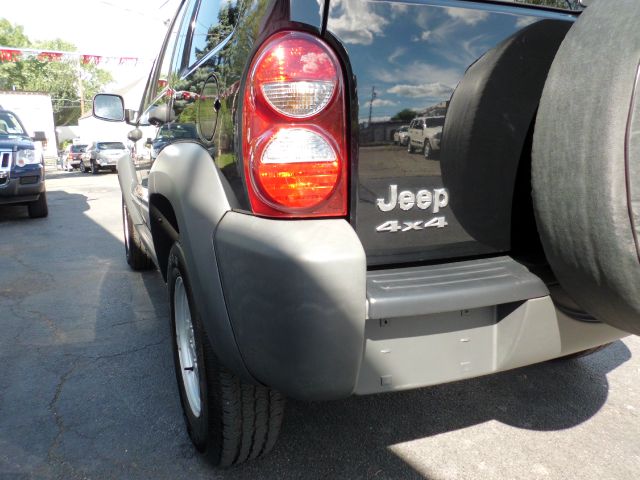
{"x":110,"y":145}
{"x":435,"y":122}
{"x":214,"y":21}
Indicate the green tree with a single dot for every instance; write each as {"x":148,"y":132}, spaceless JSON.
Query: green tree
{"x":61,"y":79}
{"x":405,"y":115}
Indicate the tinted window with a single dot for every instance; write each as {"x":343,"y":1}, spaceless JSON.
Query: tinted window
{"x":109,"y":145}
{"x":435,"y":122}
{"x":78,"y":148}
{"x":214,"y":21}
{"x":178,"y":131}
{"x":165,"y":66}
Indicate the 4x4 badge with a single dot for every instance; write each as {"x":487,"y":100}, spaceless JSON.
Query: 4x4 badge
{"x":406,"y":200}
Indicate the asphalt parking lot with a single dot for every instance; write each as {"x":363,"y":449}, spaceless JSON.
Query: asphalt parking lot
{"x":87,"y":387}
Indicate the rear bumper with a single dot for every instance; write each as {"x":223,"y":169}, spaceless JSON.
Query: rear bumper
{"x":23,"y":186}
{"x":310,"y":321}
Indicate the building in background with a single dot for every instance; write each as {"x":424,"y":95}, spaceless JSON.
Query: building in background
{"x":36,"y":113}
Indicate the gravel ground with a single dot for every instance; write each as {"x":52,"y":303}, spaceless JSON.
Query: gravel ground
{"x":87,"y":387}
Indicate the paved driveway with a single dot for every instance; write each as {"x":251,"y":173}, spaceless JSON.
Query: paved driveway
{"x":87,"y":387}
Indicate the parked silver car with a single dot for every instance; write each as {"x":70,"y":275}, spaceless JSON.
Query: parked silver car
{"x":401,"y":136}
{"x":102,"y":155}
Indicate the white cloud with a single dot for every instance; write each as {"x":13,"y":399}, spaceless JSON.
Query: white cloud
{"x":425,"y":72}
{"x":467,"y":15}
{"x":399,"y":8}
{"x":397,"y":53}
{"x":433,"y":90}
{"x":314,"y":61}
{"x":525,"y":21}
{"x":380,"y":102}
{"x":355,"y":22}
{"x":424,"y":36}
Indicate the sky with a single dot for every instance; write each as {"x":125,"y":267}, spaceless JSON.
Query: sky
{"x":118,"y":28}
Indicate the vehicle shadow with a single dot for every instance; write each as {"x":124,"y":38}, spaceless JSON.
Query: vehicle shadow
{"x":87,"y":387}
{"x":351,"y":438}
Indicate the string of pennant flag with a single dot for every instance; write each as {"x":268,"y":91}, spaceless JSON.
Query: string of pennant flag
{"x":11,"y":54}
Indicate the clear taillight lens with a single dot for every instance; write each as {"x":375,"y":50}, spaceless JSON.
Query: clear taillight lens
{"x":294,"y":129}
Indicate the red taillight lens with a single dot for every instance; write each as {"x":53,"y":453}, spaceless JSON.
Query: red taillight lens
{"x":294,"y":129}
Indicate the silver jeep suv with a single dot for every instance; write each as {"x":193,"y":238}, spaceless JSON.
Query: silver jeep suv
{"x":424,"y":135}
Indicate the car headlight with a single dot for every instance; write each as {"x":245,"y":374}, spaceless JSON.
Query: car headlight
{"x":26,"y":157}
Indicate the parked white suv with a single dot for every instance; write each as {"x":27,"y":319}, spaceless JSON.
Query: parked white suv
{"x":424,"y":135}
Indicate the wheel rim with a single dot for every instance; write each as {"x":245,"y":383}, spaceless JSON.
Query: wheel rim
{"x":186,"y":343}
{"x":427,"y":151}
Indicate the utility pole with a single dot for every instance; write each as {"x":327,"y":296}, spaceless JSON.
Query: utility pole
{"x":373,"y":97}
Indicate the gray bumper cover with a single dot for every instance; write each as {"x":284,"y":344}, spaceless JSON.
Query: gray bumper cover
{"x":310,"y":321}
{"x":295,"y":294}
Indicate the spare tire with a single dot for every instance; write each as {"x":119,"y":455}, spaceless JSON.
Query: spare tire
{"x":586,"y":163}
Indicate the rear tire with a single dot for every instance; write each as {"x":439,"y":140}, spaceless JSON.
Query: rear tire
{"x":136,"y":255}
{"x":39,"y":208}
{"x":426,"y":150}
{"x":233,"y":421}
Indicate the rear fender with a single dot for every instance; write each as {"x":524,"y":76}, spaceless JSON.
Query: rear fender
{"x":185,"y":177}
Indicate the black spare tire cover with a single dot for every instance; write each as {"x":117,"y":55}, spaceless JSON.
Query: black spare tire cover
{"x":586,"y":163}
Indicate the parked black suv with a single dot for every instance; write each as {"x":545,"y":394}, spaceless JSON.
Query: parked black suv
{"x":21,"y":167}
{"x":305,"y":257}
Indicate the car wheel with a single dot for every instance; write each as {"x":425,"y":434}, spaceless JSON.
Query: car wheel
{"x":136,"y":255}
{"x":426,"y":149}
{"x":409,"y":147}
{"x":39,"y":208}
{"x":94,"y":168}
{"x":228,"y":420}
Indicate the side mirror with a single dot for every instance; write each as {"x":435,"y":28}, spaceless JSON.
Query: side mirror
{"x":161,"y":114}
{"x":135,"y":135}
{"x":39,"y":137}
{"x":108,"y":107}
{"x":149,"y":141}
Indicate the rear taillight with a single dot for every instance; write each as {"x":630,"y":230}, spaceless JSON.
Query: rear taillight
{"x":294,"y":143}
